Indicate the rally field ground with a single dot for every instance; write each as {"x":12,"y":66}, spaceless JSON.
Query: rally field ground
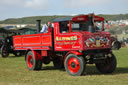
{"x":13,"y":71}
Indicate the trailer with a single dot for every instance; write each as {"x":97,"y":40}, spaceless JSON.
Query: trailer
{"x":72,"y":43}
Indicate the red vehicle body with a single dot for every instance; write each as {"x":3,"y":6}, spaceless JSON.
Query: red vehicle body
{"x":72,"y":44}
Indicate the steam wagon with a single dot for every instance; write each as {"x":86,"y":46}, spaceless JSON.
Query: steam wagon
{"x":72,"y":43}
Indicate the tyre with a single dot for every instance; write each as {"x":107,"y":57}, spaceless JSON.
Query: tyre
{"x":32,"y":63}
{"x":116,"y":45}
{"x":108,"y":66}
{"x":4,"y":51}
{"x":74,"y":65}
{"x":58,"y":62}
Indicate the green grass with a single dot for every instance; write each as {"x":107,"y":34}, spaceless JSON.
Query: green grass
{"x":13,"y":71}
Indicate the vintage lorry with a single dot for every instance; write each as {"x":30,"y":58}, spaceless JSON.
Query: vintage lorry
{"x":6,"y":40}
{"x":72,"y":43}
{"x":6,"y":43}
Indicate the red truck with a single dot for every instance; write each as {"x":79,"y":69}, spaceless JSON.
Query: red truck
{"x":72,"y":43}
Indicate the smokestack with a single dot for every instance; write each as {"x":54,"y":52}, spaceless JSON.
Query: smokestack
{"x":38,"y":25}
{"x":90,"y":23}
{"x":90,"y":19}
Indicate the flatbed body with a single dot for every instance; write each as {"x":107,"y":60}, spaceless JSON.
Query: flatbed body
{"x":40,"y":41}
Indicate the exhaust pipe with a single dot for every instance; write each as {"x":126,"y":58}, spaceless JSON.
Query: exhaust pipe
{"x":90,"y":24}
{"x":38,"y":25}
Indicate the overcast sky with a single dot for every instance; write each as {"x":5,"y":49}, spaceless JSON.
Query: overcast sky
{"x":24,"y":8}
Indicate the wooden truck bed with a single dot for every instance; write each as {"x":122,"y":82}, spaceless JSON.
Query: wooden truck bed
{"x":42,"y":41}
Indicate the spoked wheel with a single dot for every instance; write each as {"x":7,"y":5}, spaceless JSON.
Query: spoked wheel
{"x":74,"y":65}
{"x":32,"y":63}
{"x":109,"y":65}
{"x":4,"y":51}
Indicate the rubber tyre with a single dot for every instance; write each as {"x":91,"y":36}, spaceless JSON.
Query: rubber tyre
{"x":116,"y":45}
{"x":74,"y":65}
{"x":32,"y":63}
{"x":58,"y":62}
{"x":108,"y":66}
{"x":4,"y":51}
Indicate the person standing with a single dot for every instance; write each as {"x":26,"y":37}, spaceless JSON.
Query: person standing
{"x":44,"y":29}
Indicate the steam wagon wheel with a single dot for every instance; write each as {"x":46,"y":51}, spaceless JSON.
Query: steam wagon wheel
{"x":116,"y":45}
{"x":4,"y":51}
{"x":108,"y":66}
{"x":32,"y":63}
{"x":74,"y":65}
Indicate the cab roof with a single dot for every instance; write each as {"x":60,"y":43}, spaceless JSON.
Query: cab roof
{"x":62,"y":19}
{"x":78,"y":18}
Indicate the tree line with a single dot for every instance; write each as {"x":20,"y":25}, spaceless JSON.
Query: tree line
{"x":45,"y":19}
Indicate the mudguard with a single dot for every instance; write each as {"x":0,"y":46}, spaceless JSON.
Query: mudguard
{"x":37,"y":54}
{"x":73,"y":52}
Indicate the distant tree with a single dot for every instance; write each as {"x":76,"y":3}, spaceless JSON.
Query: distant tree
{"x":45,"y":19}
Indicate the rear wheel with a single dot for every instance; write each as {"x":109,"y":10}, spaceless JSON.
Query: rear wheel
{"x":108,"y":66}
{"x":116,"y":45}
{"x":32,"y":63}
{"x":4,"y":51}
{"x":74,"y":65}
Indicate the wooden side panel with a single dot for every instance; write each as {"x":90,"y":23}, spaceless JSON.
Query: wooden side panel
{"x":46,"y":40}
{"x":17,"y":41}
{"x":31,"y":41}
{"x":34,"y":41}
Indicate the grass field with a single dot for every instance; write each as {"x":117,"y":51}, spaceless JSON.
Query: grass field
{"x":13,"y":71}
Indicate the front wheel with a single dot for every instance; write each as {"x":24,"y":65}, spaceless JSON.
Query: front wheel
{"x":4,"y":51}
{"x":32,"y":63}
{"x":74,"y":65}
{"x":109,"y":65}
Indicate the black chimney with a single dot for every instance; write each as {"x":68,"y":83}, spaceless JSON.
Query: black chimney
{"x":38,"y":25}
{"x":90,"y":24}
